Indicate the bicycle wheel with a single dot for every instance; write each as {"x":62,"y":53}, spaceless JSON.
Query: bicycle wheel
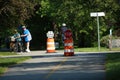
{"x":16,"y":47}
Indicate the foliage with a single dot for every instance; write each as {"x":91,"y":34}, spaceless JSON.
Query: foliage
{"x":45,"y":15}
{"x":13,"y":13}
{"x":105,"y":40}
{"x":78,"y":17}
{"x":113,"y":66}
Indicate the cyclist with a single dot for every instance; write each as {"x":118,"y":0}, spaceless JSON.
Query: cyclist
{"x":18,"y":41}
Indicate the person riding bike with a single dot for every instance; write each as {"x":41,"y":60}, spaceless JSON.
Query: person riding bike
{"x":18,"y":41}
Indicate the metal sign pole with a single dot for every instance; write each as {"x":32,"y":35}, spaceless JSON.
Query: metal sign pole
{"x":97,"y":14}
{"x":98,"y":32}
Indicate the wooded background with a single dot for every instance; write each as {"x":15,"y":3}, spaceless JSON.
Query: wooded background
{"x":41,"y":16}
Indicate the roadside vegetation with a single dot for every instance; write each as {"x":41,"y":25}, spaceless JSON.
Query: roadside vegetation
{"x":113,"y":66}
{"x":95,"y":49}
{"x":48,"y":15}
{"x":7,"y":53}
{"x":6,"y":62}
{"x":92,"y":49}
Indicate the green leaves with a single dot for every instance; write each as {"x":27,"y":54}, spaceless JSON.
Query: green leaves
{"x":75,"y":13}
{"x":14,"y":13}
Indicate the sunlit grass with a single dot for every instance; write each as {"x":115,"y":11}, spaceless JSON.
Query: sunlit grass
{"x":115,"y":49}
{"x":91,"y":49}
{"x":2,"y":70}
{"x":6,"y":62}
{"x":7,"y":53}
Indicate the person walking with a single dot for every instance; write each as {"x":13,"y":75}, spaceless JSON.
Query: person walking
{"x":63,"y":29}
{"x":27,"y":38}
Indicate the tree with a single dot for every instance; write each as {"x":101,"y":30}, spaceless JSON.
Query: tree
{"x":14,"y":13}
{"x":77,"y":15}
{"x":44,"y":15}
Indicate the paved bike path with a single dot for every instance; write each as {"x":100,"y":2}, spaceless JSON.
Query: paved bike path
{"x":55,"y":66}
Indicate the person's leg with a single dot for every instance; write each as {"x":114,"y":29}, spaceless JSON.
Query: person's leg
{"x":27,"y":46}
{"x":63,"y":38}
{"x":20,"y":46}
{"x":23,"y":45}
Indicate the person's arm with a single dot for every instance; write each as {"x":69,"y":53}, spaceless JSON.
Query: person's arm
{"x":24,"y":35}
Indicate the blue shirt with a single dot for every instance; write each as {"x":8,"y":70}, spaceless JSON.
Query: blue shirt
{"x":28,"y":37}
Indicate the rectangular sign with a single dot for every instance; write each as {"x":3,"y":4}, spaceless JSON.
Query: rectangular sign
{"x":95,"y":14}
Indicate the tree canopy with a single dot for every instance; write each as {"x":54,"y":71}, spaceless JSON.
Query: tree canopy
{"x":14,"y":13}
{"x":44,"y":15}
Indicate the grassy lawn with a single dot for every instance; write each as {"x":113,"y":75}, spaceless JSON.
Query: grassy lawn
{"x":6,"y":62}
{"x":113,"y":66}
{"x":7,"y":53}
{"x":115,"y":49}
{"x":95,"y":49}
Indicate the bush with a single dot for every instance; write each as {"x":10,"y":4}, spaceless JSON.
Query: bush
{"x":104,"y":41}
{"x":113,"y":66}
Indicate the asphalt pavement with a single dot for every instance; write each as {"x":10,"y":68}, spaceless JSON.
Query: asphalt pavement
{"x":56,"y":66}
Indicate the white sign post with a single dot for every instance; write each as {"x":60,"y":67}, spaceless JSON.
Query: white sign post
{"x":97,"y":14}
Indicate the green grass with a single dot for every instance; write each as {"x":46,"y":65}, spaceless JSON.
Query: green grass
{"x":115,"y":49}
{"x":7,"y":53}
{"x":6,"y":62}
{"x":95,"y":49}
{"x":91,"y":49}
{"x":113,"y":66}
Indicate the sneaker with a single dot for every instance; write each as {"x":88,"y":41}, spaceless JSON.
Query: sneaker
{"x":27,"y":50}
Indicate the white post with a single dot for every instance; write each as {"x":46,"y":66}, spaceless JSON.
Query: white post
{"x":110,"y":40}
